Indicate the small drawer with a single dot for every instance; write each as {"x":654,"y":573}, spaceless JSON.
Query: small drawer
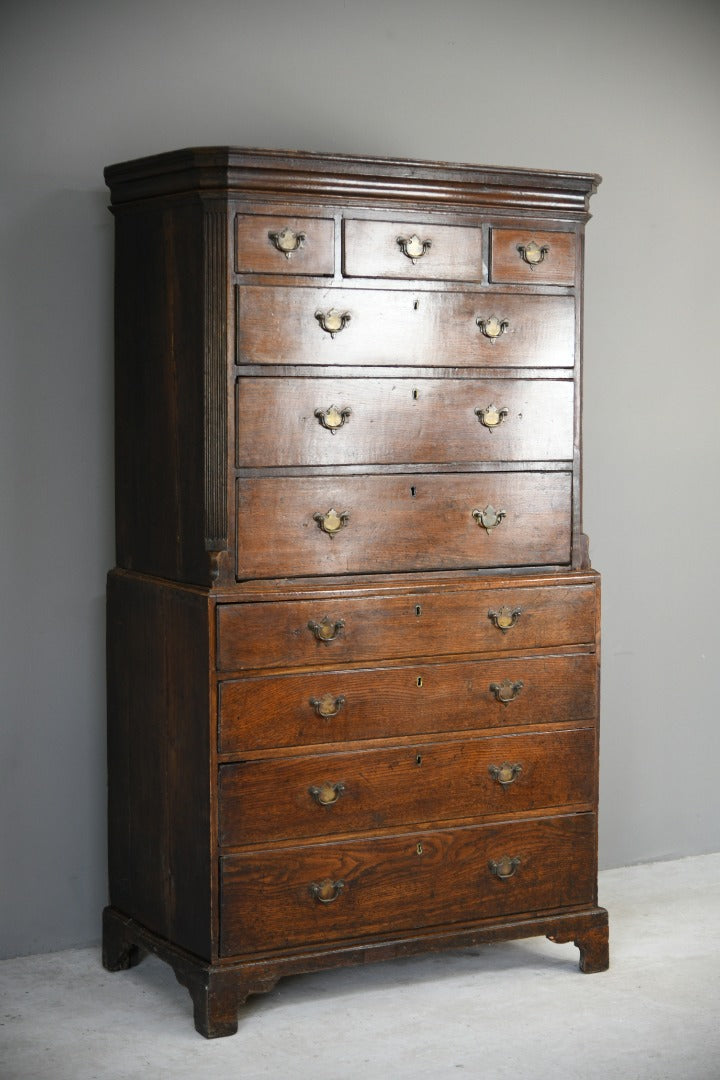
{"x":330,"y":794}
{"x":543,"y":258}
{"x":269,"y":711}
{"x":373,"y":326}
{"x":294,"y":422}
{"x":446,"y":622}
{"x":294,"y":526}
{"x":325,"y":892}
{"x":402,"y":249}
{"x":284,"y":245}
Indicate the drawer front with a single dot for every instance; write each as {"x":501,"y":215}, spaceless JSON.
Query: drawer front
{"x":293,"y":245}
{"x":336,"y":631}
{"x":401,"y":249}
{"x":373,"y":326}
{"x":286,"y":422}
{"x":291,"y":526}
{"x":274,"y":899}
{"x":373,"y":703}
{"x":330,"y":794}
{"x":545,"y":258}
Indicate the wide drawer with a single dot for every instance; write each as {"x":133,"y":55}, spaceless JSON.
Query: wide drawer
{"x":307,"y":421}
{"x":546,"y":258}
{"x":330,"y":794}
{"x":268,"y":711}
{"x":401,"y":249}
{"x":272,"y":900}
{"x":284,"y":245}
{"x":293,"y":526}
{"x":423,"y":624}
{"x":375,"y":326}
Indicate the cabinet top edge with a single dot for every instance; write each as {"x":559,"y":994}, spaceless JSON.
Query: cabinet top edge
{"x":244,"y":172}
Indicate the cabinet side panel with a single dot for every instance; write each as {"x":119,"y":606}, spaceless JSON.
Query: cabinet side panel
{"x":159,"y":380}
{"x":159,"y":759}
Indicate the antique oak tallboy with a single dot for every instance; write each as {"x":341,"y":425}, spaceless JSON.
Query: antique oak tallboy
{"x":353,"y":631}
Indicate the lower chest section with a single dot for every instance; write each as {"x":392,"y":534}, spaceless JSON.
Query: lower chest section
{"x":402,"y":759}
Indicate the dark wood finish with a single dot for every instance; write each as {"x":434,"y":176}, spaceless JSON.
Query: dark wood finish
{"x":593,"y":943}
{"x":398,"y":883}
{"x":120,"y":950}
{"x":256,"y":254}
{"x":170,"y":334}
{"x":159,"y":780}
{"x":439,"y":329}
{"x":507,"y":264}
{"x":371,"y":249}
{"x":588,"y":928}
{"x":269,"y":711}
{"x":216,"y":993}
{"x":409,"y":522}
{"x":328,"y":750}
{"x":396,"y":421}
{"x":272,"y":800}
{"x":257,"y":174}
{"x":391,"y":627}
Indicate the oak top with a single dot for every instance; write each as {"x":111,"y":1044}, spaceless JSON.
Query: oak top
{"x":258,"y":173}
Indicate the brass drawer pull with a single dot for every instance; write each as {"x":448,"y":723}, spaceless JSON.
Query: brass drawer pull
{"x":532,"y":253}
{"x":506,"y":691}
{"x":505,"y":774}
{"x":326,"y":630}
{"x":287,"y":241}
{"x":326,"y":891}
{"x":327,"y":794}
{"x":492,"y":328}
{"x":491,"y":417}
{"x":332,"y":522}
{"x":328,"y":706}
{"x":505,"y":617}
{"x":413,"y":247}
{"x":489,"y":518}
{"x":333,"y":321}
{"x":505,"y":867}
{"x":333,"y":418}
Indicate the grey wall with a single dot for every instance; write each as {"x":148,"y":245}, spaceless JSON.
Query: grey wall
{"x":629,"y":89}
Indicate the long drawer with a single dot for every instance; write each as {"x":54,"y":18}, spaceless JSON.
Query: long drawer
{"x":377,"y":326}
{"x":424,"y":624}
{"x":308,"y":421}
{"x":268,"y":711}
{"x":294,"y":526}
{"x":275,"y":899}
{"x":301,"y":797}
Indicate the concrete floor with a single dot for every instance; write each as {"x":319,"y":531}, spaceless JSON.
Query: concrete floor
{"x":519,"y":1010}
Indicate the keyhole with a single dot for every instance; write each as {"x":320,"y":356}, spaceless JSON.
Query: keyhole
{"x":415,"y":394}
{"x":419,"y":849}
{"x":413,"y":491}
{"x":416,"y":305}
{"x":418,"y":759}
{"x":418,"y":609}
{"x":419,"y":680}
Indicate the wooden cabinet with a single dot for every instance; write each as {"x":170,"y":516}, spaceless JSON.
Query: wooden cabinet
{"x":353,"y":631}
